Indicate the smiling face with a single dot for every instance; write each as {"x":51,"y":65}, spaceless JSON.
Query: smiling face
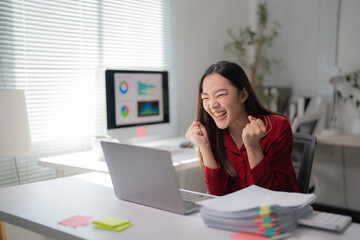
{"x":223,"y":101}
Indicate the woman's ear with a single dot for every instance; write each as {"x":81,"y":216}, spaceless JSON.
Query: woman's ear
{"x":243,"y":95}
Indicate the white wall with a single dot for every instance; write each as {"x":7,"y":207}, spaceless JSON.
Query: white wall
{"x":349,"y":36}
{"x":201,"y":33}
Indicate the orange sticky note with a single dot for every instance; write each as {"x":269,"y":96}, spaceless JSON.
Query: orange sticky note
{"x":247,"y":236}
{"x":140,"y":132}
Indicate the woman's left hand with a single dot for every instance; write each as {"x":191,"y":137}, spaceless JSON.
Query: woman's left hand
{"x":252,"y":132}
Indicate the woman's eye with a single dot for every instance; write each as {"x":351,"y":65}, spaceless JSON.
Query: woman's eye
{"x":220,"y":95}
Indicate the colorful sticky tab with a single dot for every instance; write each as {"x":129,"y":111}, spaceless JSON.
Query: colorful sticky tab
{"x":75,"y":221}
{"x":265,"y":210}
{"x":269,"y":232}
{"x":112,"y":223}
{"x":266,"y":222}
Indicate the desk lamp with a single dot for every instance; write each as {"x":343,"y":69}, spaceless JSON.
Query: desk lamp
{"x":14,"y":129}
{"x":14,"y":126}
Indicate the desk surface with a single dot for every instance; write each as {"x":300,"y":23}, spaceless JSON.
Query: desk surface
{"x":40,"y":206}
{"x":346,"y":140}
{"x":84,"y":162}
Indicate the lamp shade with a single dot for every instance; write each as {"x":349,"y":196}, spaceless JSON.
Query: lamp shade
{"x":337,"y":78}
{"x":14,"y":125}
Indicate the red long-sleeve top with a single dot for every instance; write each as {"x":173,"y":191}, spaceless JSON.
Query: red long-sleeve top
{"x":275,"y":171}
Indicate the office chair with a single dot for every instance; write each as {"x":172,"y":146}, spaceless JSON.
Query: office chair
{"x":313,"y":120}
{"x":302,"y":158}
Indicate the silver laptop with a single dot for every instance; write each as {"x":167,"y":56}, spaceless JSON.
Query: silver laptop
{"x":145,"y":176}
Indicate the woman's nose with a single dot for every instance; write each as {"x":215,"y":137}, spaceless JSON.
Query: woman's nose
{"x":213,"y":104}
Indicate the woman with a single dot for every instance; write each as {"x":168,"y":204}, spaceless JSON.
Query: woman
{"x":240,"y":142}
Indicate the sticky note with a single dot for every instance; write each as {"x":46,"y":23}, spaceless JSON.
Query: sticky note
{"x":247,"y":236}
{"x":75,"y":221}
{"x":140,"y":132}
{"x":112,"y":223}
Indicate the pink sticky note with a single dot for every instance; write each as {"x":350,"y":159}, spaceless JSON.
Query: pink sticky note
{"x":75,"y":221}
{"x":246,"y":236}
{"x":140,"y":132}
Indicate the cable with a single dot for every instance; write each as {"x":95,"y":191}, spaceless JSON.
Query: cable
{"x":17,"y":170}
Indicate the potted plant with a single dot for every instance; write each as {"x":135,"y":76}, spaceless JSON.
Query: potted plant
{"x":350,"y":92}
{"x":352,"y":85}
{"x":260,"y":64}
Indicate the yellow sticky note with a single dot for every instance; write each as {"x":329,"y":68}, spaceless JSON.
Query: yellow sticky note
{"x":112,"y":223}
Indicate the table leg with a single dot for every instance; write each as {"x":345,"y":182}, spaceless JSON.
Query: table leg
{"x":2,"y":231}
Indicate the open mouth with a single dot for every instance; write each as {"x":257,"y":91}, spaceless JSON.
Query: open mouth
{"x":220,"y":115}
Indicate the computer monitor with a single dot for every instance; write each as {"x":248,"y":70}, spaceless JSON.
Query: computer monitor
{"x":136,"y":98}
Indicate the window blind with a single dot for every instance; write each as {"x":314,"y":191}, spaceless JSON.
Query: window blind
{"x":307,"y":44}
{"x":56,"y":51}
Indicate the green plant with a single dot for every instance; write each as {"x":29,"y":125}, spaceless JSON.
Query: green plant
{"x":261,"y":39}
{"x":347,"y":94}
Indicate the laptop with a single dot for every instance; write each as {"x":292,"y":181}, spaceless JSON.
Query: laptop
{"x":146,"y":176}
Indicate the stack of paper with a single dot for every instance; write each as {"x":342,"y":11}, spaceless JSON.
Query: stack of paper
{"x":257,"y":210}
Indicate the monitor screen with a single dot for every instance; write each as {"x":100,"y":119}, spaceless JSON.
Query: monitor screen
{"x":135,"y":98}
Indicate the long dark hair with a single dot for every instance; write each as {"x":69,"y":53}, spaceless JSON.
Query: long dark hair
{"x":237,"y":76}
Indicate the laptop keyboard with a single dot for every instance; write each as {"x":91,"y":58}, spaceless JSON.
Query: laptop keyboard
{"x":191,"y":207}
{"x":171,"y":149}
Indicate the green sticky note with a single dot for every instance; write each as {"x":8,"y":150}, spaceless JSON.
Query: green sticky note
{"x":112,"y":223}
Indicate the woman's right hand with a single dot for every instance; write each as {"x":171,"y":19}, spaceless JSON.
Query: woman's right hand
{"x":197,"y":133}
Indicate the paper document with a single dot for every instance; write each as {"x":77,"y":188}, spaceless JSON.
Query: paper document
{"x":254,"y":196}
{"x":257,"y":210}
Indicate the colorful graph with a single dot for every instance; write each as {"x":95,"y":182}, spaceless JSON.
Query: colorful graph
{"x":125,"y":111}
{"x":123,"y":87}
{"x":145,"y":89}
{"x":148,"y":108}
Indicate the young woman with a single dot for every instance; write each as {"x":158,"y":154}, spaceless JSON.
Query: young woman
{"x":240,"y":142}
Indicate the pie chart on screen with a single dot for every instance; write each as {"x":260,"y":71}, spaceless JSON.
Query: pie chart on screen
{"x":125,"y":111}
{"x":123,"y":87}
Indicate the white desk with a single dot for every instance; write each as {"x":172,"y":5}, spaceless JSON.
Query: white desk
{"x":40,"y":206}
{"x":84,"y":162}
{"x":336,"y":170}
{"x":345,"y":140}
